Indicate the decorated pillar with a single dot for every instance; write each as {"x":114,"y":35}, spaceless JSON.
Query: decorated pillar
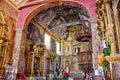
{"x":116,"y":18}
{"x":45,"y":61}
{"x":96,"y":40}
{"x":110,"y":29}
{"x":110,"y":34}
{"x":29,"y":65}
{"x":22,"y":61}
{"x":16,"y":51}
{"x":41,"y":61}
{"x":19,"y":51}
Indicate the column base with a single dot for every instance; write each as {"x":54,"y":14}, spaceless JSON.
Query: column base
{"x":114,"y":57}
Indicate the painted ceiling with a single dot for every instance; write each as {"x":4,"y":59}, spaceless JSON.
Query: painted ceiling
{"x":60,"y":19}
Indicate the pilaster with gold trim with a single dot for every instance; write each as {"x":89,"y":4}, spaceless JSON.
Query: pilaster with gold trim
{"x":110,"y":34}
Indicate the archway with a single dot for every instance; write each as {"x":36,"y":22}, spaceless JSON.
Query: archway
{"x":35,"y":11}
{"x":50,"y":4}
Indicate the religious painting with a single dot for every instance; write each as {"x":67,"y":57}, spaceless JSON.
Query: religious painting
{"x":36,"y":66}
{"x":34,"y":34}
{"x":53,"y":45}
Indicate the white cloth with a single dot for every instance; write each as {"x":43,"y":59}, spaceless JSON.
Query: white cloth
{"x":67,"y":69}
{"x":104,"y":44}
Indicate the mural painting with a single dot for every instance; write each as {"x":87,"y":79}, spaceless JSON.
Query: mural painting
{"x":34,"y":34}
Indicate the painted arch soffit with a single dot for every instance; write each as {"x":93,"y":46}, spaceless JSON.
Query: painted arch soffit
{"x":35,"y":9}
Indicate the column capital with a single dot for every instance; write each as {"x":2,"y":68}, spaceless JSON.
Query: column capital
{"x":94,"y":20}
{"x":21,"y":30}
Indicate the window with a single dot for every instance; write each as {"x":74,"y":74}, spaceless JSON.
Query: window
{"x":47,"y":41}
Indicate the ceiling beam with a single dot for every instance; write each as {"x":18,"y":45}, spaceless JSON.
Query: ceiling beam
{"x":69,"y":24}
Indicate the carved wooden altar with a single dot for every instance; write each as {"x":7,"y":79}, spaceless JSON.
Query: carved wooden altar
{"x":34,"y":56}
{"x":29,"y":60}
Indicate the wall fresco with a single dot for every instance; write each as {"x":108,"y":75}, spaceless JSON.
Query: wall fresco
{"x":34,"y":34}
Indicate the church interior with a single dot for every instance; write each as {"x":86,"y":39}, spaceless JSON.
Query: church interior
{"x":59,"y":39}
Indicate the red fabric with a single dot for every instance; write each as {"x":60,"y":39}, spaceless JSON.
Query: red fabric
{"x":21,"y":75}
{"x":66,"y":74}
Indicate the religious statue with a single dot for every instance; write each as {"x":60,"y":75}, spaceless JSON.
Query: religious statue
{"x":9,"y":71}
{"x":36,"y":67}
{"x":37,"y":49}
{"x":3,"y":26}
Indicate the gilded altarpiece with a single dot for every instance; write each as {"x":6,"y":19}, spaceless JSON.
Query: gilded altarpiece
{"x":32,"y":51}
{"x":7,"y":32}
{"x":29,"y":60}
{"x":33,"y":57}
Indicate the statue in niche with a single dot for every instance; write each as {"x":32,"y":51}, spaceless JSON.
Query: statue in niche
{"x":3,"y":30}
{"x":36,"y":67}
{"x":9,"y":71}
{"x":3,"y":27}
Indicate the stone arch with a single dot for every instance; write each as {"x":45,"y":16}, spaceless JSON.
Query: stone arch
{"x":34,"y":9}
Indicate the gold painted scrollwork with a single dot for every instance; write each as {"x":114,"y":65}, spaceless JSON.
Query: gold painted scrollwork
{"x":38,"y":48}
{"x":4,"y":43}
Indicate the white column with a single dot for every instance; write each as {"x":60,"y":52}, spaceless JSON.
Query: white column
{"x":16,"y":52}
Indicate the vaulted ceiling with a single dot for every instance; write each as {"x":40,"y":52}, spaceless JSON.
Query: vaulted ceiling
{"x":60,"y":18}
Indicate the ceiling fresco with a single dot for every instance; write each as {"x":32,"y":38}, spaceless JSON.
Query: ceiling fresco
{"x":60,"y":18}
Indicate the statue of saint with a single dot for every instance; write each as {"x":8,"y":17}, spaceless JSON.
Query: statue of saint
{"x":36,"y":67}
{"x":9,"y":71}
